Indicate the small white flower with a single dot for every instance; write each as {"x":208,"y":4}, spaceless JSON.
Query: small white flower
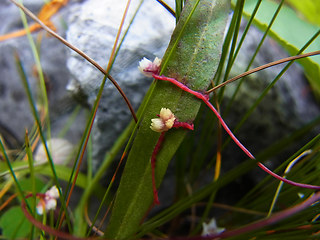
{"x":157,"y":125}
{"x":53,"y":192}
{"x":157,"y":62}
{"x":49,"y":202}
{"x":165,"y":122}
{"x":40,"y":207}
{"x":211,"y":228}
{"x":148,"y":68}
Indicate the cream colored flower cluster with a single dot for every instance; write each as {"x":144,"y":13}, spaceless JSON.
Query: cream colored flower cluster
{"x":164,"y":122}
{"x":49,"y":202}
{"x":166,"y":118}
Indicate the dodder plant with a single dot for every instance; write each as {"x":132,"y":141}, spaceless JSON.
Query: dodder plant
{"x":193,"y":61}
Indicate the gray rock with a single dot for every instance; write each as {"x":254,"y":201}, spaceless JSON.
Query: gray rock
{"x":15,"y":114}
{"x":92,"y":28}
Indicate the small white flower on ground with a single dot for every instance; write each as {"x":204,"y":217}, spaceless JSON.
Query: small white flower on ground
{"x":49,"y":202}
{"x":148,"y":68}
{"x":211,"y":228}
{"x":165,"y":122}
{"x":53,"y":192}
{"x":40,"y":207}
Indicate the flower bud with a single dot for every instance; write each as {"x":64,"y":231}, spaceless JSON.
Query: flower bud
{"x":164,"y":122}
{"x":148,"y":68}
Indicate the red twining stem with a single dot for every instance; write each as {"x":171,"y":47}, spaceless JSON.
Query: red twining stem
{"x":185,"y":125}
{"x":265,"y":222}
{"x":155,"y":152}
{"x":205,"y":99}
{"x":45,"y":228}
{"x":153,"y":167}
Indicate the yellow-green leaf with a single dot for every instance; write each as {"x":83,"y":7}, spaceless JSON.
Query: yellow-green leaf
{"x":292,"y":33}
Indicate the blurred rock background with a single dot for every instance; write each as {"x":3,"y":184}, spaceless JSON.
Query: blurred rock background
{"x":15,"y":114}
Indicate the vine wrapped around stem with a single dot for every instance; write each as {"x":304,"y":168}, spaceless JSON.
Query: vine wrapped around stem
{"x":205,"y":99}
{"x":166,"y":121}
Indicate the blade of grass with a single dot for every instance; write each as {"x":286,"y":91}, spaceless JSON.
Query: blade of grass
{"x":41,"y":133}
{"x":211,"y":199}
{"x":288,"y":59}
{"x":43,"y":90}
{"x":70,"y":121}
{"x":292,"y":33}
{"x":166,"y":6}
{"x":265,"y":222}
{"x":32,"y":177}
{"x":101,"y":171}
{"x":274,"y":17}
{"x":225,"y":49}
{"x":244,"y":34}
{"x":280,"y":168}
{"x":179,"y":7}
{"x":13,"y":175}
{"x":238,"y":16}
{"x":94,"y":111}
{"x":266,"y":90}
{"x":15,"y":179}
{"x":125,"y":32}
{"x":83,"y":144}
{"x":287,"y":170}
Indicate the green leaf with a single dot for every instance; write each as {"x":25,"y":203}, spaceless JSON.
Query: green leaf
{"x":26,"y":184}
{"x":63,"y":172}
{"x":292,"y":33}
{"x":308,"y":8}
{"x":192,"y":57}
{"x":14,"y":224}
